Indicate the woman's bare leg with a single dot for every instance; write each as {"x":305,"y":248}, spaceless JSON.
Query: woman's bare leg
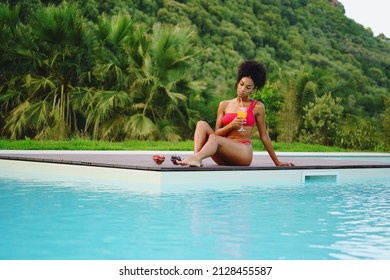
{"x":226,"y":150}
{"x":202,"y":132}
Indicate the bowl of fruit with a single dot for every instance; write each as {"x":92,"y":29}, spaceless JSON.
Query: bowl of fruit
{"x":174,"y":159}
{"x":158,"y":159}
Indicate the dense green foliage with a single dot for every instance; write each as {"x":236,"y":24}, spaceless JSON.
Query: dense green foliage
{"x":145,"y":145}
{"x":320,"y":120}
{"x":116,"y":70}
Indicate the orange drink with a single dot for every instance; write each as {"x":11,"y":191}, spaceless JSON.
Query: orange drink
{"x":241,"y":113}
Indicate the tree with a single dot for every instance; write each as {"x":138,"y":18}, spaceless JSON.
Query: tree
{"x":321,"y":120}
{"x":288,"y":118}
{"x":162,"y":83}
{"x":358,"y":133}
{"x":144,"y":81}
{"x":272,"y":102}
{"x":51,"y":53}
{"x":107,"y":104}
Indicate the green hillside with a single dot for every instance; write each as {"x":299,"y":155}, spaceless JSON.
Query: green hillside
{"x":118,"y":70}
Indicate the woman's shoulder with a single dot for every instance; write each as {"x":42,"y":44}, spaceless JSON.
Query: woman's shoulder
{"x":258,"y":106}
{"x":225,"y":103}
{"x":257,"y":103}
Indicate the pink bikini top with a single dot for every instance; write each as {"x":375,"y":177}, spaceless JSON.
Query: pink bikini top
{"x":250,"y":118}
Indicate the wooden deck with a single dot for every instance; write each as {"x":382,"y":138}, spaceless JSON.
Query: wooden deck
{"x":143,"y":160}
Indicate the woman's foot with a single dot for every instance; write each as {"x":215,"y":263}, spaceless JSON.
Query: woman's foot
{"x":191,"y":161}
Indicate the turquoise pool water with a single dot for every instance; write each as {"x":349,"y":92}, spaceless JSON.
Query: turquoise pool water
{"x":67,"y":219}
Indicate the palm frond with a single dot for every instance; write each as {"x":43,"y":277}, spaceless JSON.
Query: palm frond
{"x":34,"y":117}
{"x":10,"y":98}
{"x":16,"y":121}
{"x":57,"y":130}
{"x":114,"y":30}
{"x":121,"y":26}
{"x":101,"y":108}
{"x":166,"y":131}
{"x":38,"y":113}
{"x":175,"y":97}
{"x":39,"y":85}
{"x":113,"y":129}
{"x":9,"y":16}
{"x":139,"y":126}
{"x":58,"y":25}
{"x":81,"y":97}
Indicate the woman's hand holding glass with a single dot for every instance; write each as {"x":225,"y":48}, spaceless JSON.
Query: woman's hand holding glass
{"x":242,"y":114}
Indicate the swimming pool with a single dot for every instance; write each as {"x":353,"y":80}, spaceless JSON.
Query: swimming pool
{"x":67,"y":218}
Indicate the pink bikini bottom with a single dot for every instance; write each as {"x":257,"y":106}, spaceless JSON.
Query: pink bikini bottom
{"x":246,"y":142}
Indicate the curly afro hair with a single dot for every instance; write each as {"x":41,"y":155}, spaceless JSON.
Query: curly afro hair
{"x":254,"y":70}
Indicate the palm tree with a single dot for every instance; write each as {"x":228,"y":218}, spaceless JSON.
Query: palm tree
{"x":107,"y":104}
{"x":118,"y":81}
{"x":142,"y":81}
{"x":162,"y":84}
{"x":55,"y":48}
{"x":9,"y":76}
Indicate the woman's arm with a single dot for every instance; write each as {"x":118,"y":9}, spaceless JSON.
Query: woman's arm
{"x":221,"y":130}
{"x":259,"y":112}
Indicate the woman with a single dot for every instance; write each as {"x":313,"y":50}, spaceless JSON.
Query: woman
{"x":226,"y":145}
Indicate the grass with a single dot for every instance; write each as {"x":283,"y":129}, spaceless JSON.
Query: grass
{"x":138,"y":145}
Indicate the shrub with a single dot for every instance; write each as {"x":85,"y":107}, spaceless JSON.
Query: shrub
{"x":320,"y":120}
